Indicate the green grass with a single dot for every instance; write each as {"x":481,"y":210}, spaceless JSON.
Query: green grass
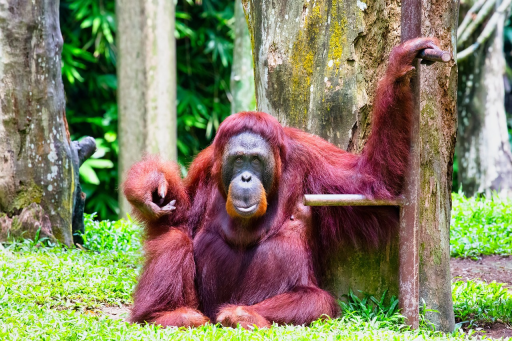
{"x":477,"y":302}
{"x":54,"y":293}
{"x":480,"y":226}
{"x":32,"y":322}
{"x":60,"y":278}
{"x":67,"y":325}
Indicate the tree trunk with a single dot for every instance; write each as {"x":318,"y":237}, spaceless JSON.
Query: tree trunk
{"x":242,"y":74}
{"x":483,"y":148}
{"x":317,"y":64}
{"x":39,"y":167}
{"x":147,"y":83}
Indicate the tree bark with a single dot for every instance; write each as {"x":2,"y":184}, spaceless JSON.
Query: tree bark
{"x":483,"y":148}
{"x":317,"y":64}
{"x":38,"y":180}
{"x":242,"y":74}
{"x":147,"y":83}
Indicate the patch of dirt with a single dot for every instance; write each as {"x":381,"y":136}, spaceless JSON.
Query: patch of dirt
{"x":494,"y":331}
{"x":117,"y":313}
{"x":488,"y":269}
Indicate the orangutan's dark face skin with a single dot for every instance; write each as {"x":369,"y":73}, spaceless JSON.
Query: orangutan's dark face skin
{"x":248,"y":167}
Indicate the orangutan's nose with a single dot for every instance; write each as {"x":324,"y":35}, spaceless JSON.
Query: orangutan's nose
{"x":246,"y":177}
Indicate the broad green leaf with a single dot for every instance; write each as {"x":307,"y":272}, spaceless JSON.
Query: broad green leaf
{"x":99,"y":163}
{"x":88,"y":174}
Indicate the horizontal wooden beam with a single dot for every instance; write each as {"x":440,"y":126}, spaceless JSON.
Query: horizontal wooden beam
{"x":347,"y":200}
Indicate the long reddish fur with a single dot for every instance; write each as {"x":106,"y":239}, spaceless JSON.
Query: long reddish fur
{"x":304,"y":164}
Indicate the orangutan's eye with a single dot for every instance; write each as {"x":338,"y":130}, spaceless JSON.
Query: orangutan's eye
{"x":239,"y":161}
{"x":256,"y":163}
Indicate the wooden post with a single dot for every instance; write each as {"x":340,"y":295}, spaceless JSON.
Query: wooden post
{"x":409,"y":209}
{"x":408,"y":280}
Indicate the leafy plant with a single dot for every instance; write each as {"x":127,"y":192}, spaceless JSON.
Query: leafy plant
{"x":370,"y":308}
{"x":205,"y":51}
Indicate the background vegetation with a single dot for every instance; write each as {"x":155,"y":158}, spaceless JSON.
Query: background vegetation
{"x":204,"y":55}
{"x":508,"y":79}
{"x":205,"y":36}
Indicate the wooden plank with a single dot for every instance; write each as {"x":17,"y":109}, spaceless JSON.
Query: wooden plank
{"x":346,"y":200}
{"x":408,"y":277}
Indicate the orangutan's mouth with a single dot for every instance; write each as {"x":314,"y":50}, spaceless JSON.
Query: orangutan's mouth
{"x":246,"y":209}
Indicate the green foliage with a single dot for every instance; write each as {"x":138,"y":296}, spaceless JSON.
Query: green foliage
{"x":23,"y":322}
{"x":507,"y":35}
{"x":89,"y":75}
{"x":121,"y":235}
{"x":476,"y":302}
{"x":455,"y":174}
{"x":204,"y":55}
{"x":370,"y":308}
{"x":480,"y":226}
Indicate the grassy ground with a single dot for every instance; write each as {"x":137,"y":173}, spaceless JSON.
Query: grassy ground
{"x":52,"y":293}
{"x":480,"y":226}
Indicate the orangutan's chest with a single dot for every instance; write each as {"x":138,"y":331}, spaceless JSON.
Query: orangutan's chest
{"x":251,"y":274}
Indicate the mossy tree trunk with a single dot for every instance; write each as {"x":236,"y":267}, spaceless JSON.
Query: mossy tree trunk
{"x":317,"y":64}
{"x":147,"y":83}
{"x":483,"y":149}
{"x":242,"y":74}
{"x":38,"y":163}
